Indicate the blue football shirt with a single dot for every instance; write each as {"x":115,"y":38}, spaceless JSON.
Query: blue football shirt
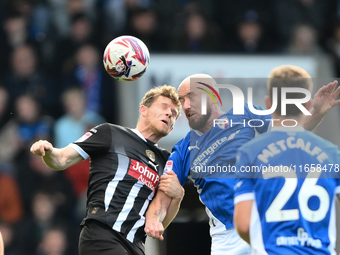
{"x":292,"y":176}
{"x":208,"y":159}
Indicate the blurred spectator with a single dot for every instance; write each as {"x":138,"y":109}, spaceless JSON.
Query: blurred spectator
{"x":79,"y":176}
{"x":115,"y":17}
{"x":291,"y":13}
{"x":230,"y":14}
{"x":143,"y":24}
{"x":70,"y":127}
{"x":8,"y":134}
{"x":333,"y":47}
{"x":31,"y":125}
{"x":81,"y":31}
{"x":251,"y":36}
{"x":54,"y":242}
{"x":88,"y":74}
{"x":27,"y":22}
{"x":44,"y":209}
{"x":26,"y":78}
{"x":44,"y":206}
{"x":198,"y":35}
{"x":49,"y":199}
{"x":41,"y":24}
{"x":27,"y":124}
{"x":15,"y":27}
{"x":62,"y":12}
{"x":33,"y":175}
{"x":304,"y":41}
{"x":11,"y":209}
{"x":10,"y":239}
{"x":112,"y":18}
{"x":77,"y":119}
{"x":4,"y":107}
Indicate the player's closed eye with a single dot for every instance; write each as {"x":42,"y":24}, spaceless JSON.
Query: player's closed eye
{"x":166,"y":107}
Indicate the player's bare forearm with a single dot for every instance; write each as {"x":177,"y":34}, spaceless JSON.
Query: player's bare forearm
{"x":57,"y":159}
{"x":155,"y":215}
{"x":164,"y":206}
{"x":158,"y":207}
{"x":172,"y":211}
{"x":171,"y":187}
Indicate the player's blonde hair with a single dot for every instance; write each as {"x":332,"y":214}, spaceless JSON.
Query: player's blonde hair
{"x":288,"y":76}
{"x":165,"y":91}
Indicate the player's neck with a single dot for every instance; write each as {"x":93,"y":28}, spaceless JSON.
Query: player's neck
{"x":149,"y":134}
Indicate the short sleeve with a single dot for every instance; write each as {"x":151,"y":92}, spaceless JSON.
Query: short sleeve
{"x":95,"y":141}
{"x":178,"y":163}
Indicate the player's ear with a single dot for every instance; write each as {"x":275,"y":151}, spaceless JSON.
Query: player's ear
{"x":268,"y":102}
{"x":142,"y":110}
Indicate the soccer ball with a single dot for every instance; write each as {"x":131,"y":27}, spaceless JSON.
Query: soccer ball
{"x":126,"y":58}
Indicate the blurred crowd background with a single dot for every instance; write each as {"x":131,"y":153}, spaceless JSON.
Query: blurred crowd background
{"x":53,"y":86}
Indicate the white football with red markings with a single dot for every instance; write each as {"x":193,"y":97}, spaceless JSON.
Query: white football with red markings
{"x":126,"y":58}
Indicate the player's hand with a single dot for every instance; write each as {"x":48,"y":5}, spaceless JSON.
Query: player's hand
{"x":41,"y":148}
{"x":170,"y":185}
{"x":324,"y":99}
{"x":154,"y":229}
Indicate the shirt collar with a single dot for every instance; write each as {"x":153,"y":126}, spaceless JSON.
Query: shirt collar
{"x":140,"y":135}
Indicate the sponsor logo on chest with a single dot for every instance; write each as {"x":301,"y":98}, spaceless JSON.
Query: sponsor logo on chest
{"x":144,"y":174}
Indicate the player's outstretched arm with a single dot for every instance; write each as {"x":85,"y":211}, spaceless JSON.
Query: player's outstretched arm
{"x":242,"y":214}
{"x":57,"y":159}
{"x":324,"y":100}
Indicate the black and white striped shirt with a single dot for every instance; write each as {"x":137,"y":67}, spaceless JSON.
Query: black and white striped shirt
{"x":124,"y":174}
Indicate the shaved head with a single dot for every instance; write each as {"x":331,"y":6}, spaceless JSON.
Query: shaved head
{"x":190,"y":95}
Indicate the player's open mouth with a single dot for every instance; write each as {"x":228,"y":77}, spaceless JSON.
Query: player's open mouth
{"x":190,"y":115}
{"x":165,"y":122}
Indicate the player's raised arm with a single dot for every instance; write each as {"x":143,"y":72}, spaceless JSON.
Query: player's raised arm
{"x":324,"y":100}
{"x":57,"y":159}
